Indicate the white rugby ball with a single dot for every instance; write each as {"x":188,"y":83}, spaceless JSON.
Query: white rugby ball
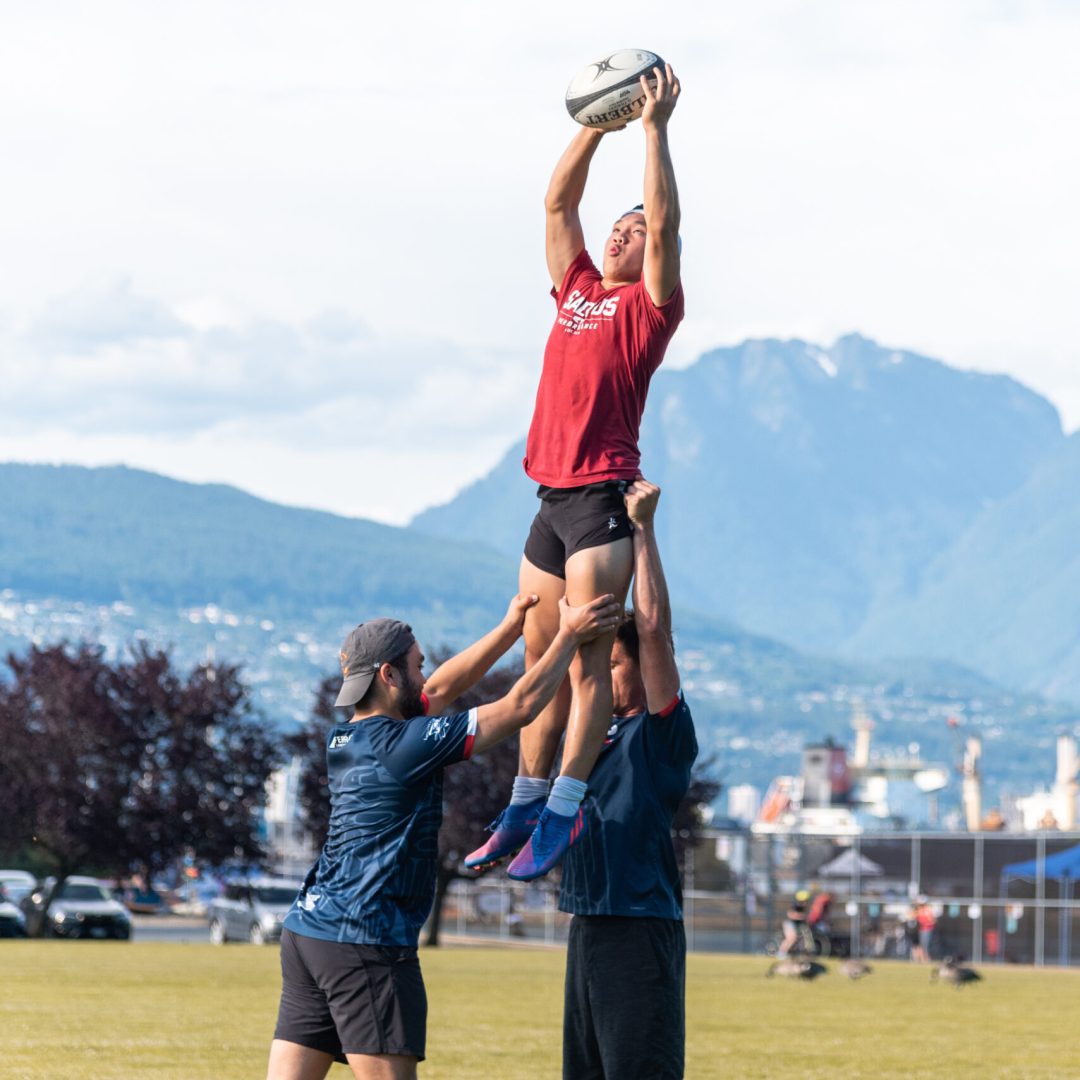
{"x":607,"y":93}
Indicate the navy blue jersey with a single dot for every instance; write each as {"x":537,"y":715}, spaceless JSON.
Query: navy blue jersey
{"x":375,"y":879}
{"x":624,"y":863}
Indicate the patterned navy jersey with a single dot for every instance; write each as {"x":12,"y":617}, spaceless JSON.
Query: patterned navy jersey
{"x":624,"y":863}
{"x":375,"y":879}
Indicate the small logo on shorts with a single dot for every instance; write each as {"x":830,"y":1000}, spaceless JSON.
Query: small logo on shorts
{"x":612,"y":524}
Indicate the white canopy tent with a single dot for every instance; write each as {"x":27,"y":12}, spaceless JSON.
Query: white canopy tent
{"x":848,"y":864}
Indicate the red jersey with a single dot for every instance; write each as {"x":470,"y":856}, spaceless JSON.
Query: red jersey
{"x":602,"y":352}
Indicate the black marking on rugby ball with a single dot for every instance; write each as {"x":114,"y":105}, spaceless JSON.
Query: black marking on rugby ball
{"x":603,"y":67}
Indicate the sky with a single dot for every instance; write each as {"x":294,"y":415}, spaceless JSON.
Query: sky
{"x":299,"y":248}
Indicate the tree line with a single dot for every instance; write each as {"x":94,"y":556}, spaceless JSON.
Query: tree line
{"x":113,"y":765}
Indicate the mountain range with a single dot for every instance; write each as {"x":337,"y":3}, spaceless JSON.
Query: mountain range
{"x":119,"y":534}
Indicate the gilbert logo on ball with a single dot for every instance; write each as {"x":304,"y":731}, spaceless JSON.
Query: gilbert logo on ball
{"x":607,"y":94}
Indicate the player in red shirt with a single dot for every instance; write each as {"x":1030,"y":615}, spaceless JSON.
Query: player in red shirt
{"x":610,"y":334}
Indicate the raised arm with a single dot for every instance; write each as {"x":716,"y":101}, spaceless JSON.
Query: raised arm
{"x":662,"y":265}
{"x":565,"y":238}
{"x":538,"y":685}
{"x":460,"y":673}
{"x":652,"y":608}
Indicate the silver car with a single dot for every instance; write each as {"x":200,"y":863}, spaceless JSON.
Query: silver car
{"x":251,"y":910}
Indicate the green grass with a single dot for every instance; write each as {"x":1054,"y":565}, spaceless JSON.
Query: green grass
{"x":106,"y":1011}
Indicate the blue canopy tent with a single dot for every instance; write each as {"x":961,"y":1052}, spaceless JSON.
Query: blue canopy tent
{"x":1062,"y":867}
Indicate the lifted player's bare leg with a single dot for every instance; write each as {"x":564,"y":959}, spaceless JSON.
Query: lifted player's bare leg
{"x":590,"y":572}
{"x":593,"y":572}
{"x":539,"y":741}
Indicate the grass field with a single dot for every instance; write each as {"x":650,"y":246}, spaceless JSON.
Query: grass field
{"x":107,"y":1011}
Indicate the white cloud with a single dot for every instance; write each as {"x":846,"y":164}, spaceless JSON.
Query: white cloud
{"x":112,"y":362}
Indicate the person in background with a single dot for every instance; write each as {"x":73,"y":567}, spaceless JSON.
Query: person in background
{"x":926,"y":923}
{"x":794,"y":921}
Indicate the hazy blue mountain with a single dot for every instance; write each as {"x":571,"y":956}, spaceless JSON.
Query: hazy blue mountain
{"x":806,"y":489}
{"x":100,"y":535}
{"x":1005,"y":596}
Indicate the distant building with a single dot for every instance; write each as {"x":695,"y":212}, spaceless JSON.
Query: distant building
{"x":1037,"y":811}
{"x":743,"y":802}
{"x":290,"y":847}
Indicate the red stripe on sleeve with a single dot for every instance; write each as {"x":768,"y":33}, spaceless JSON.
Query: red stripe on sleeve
{"x":424,"y":701}
{"x":670,"y":708}
{"x":469,"y":740}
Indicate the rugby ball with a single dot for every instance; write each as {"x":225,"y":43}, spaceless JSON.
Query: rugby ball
{"x":607,"y":93}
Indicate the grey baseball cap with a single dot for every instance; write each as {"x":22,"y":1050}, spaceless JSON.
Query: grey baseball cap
{"x":365,"y":650}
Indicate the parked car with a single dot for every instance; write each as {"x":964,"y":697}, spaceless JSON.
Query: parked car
{"x":84,"y":908}
{"x":12,"y":920}
{"x":16,"y":884}
{"x":251,"y":911}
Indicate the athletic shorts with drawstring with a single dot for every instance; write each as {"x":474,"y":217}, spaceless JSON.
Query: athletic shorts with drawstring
{"x":573,"y":519}
{"x":342,"y":998}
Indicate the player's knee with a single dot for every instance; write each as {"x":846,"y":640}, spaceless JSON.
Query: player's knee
{"x":537,"y":640}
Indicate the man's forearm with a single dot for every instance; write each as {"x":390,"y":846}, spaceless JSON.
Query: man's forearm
{"x":567,"y":185}
{"x":662,"y":211}
{"x":652,"y":607}
{"x":528,"y":696}
{"x":539,"y":684}
{"x":463,"y":671}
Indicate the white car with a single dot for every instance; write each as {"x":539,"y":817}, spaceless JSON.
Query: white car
{"x":84,"y":908}
{"x":251,"y":911}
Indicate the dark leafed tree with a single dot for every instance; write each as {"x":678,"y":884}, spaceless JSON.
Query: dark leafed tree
{"x":127,"y":764}
{"x":200,"y":780}
{"x":65,"y":741}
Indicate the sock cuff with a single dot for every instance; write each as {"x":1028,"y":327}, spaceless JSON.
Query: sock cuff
{"x":528,"y":789}
{"x":566,"y":795}
{"x":567,"y":787}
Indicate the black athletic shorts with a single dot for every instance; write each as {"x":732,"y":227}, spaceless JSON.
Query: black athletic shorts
{"x":572,"y":519}
{"x":351,"y":999}
{"x":624,"y":1014}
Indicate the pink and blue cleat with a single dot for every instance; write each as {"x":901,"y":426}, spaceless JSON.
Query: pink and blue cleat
{"x":509,"y":833}
{"x":552,"y":838}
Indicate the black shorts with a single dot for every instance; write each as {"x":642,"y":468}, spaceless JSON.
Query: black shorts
{"x":572,"y":519}
{"x":625,"y":1012}
{"x":351,"y":999}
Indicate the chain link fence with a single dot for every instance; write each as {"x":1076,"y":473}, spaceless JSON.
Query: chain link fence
{"x":993,"y":896}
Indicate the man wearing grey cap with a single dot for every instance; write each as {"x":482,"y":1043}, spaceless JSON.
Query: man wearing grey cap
{"x":352,"y":990}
